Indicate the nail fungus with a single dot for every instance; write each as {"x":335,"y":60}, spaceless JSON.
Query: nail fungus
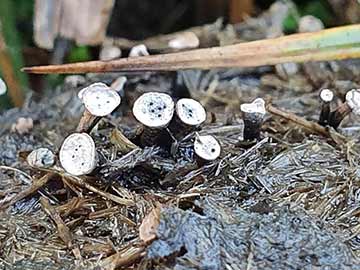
{"x":189,"y":115}
{"x":253,"y":116}
{"x":206,"y":148}
{"x":41,"y":158}
{"x":155,"y":111}
{"x":138,"y":50}
{"x":99,"y":100}
{"x":77,"y":154}
{"x":326,"y":97}
{"x":351,"y":104}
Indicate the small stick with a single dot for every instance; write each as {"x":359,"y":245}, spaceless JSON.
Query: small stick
{"x":331,"y":44}
{"x":312,"y":126}
{"x":36,"y":185}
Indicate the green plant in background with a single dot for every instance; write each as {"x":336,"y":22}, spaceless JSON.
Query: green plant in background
{"x":11,"y":13}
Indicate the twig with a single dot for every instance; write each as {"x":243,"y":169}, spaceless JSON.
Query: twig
{"x":124,"y":258}
{"x":36,"y":185}
{"x":312,"y":126}
{"x":332,"y":44}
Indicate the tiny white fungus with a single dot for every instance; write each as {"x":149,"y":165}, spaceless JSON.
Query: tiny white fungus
{"x":190,"y":111}
{"x":310,"y":23}
{"x":41,"y":158}
{"x":154,"y":109}
{"x":3,"y":88}
{"x":138,"y":50}
{"x":257,"y":106}
{"x":77,"y":154}
{"x":353,"y":100}
{"x":326,"y":95}
{"x":186,"y":40}
{"x":207,"y":147}
{"x":99,"y":99}
{"x":109,"y":52}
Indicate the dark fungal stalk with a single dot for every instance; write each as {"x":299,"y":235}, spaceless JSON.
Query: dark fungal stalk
{"x":326,"y":97}
{"x":253,"y":117}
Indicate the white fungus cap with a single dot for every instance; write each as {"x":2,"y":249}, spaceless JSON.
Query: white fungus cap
{"x":154,"y":109}
{"x":353,"y":100}
{"x":207,"y":147}
{"x":186,"y":40}
{"x":99,"y":99}
{"x":41,"y":158}
{"x":190,"y":111}
{"x":138,"y":50}
{"x":310,"y":23}
{"x":326,"y":95}
{"x":109,"y":52}
{"x":77,"y":154}
{"x":3,"y":87}
{"x":257,"y":106}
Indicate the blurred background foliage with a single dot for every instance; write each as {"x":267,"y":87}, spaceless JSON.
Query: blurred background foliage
{"x":16,"y":20}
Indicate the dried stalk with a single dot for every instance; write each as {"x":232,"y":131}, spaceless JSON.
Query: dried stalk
{"x":312,"y":126}
{"x":332,"y":44}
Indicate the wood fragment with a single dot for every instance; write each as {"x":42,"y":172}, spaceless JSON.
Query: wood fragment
{"x":36,"y":185}
{"x":123,"y":144}
{"x":149,"y":225}
{"x":63,"y":230}
{"x":331,"y":44}
{"x":311,"y":126}
{"x":121,"y":259}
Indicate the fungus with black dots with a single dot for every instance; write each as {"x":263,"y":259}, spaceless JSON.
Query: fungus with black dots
{"x":99,"y":100}
{"x":190,"y":114}
{"x":78,"y":154}
{"x":206,"y":148}
{"x":41,"y":158}
{"x":154,"y":110}
{"x":326,"y":97}
{"x":253,"y":117}
{"x":351,"y":104}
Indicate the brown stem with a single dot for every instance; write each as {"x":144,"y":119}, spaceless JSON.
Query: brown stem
{"x":293,"y":48}
{"x":312,"y":126}
{"x":338,"y":115}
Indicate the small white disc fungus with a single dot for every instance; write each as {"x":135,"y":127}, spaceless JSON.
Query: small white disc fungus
{"x":109,"y":52}
{"x":207,"y":147}
{"x":326,"y":95}
{"x":2,"y":87}
{"x":138,"y":50}
{"x":41,"y":158}
{"x":186,"y":40}
{"x":77,"y":154}
{"x":257,"y":106}
{"x":154,"y":109}
{"x":310,"y":23}
{"x":190,"y":112}
{"x":99,"y":99}
{"x":353,"y":100}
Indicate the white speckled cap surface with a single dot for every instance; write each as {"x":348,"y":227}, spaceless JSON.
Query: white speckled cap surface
{"x":99,"y":99}
{"x":207,"y":147}
{"x":190,"y":111}
{"x":154,"y":109}
{"x":77,"y":154}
